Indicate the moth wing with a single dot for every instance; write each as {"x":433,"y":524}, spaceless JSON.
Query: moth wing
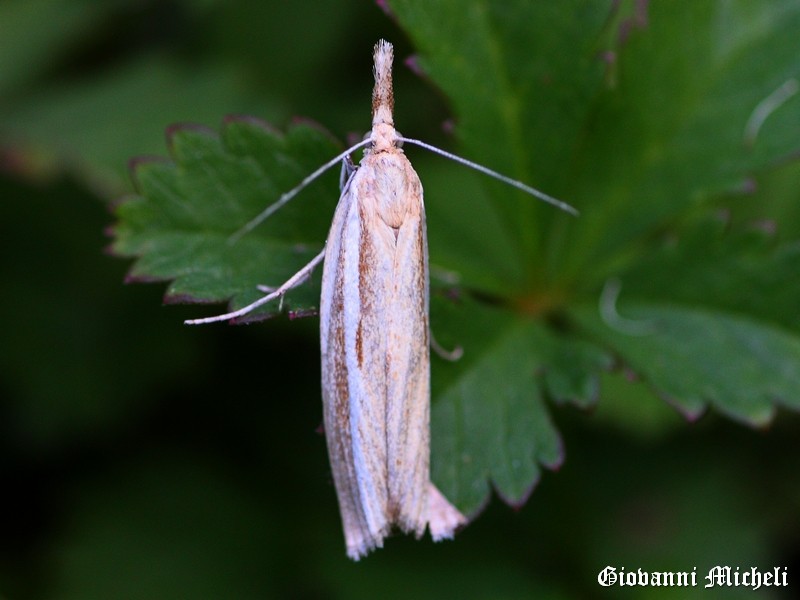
{"x":408,"y":364}
{"x":354,"y":410}
{"x":443,"y":517}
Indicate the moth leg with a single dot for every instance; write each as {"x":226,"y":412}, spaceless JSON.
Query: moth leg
{"x":268,"y":289}
{"x":282,"y":289}
{"x":290,"y":283}
{"x":348,"y":168}
{"x":448,"y":355}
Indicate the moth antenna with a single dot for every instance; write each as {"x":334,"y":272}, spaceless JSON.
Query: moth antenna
{"x":487,"y":171}
{"x":286,"y":196}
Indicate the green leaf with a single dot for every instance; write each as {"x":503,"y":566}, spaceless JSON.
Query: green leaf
{"x":709,"y":317}
{"x":637,"y":146}
{"x":630,"y":406}
{"x":670,"y":133}
{"x":694,"y":358}
{"x":641,"y":115}
{"x":775,"y":201}
{"x":521,"y":77}
{"x":713,"y":263}
{"x":489,"y":418}
{"x":181,"y":224}
{"x":663,"y":127}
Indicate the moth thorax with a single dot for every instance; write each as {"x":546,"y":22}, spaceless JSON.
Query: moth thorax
{"x":384,"y":137}
{"x":396,"y":189}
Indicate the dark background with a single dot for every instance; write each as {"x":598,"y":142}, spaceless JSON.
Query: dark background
{"x":144,"y":459}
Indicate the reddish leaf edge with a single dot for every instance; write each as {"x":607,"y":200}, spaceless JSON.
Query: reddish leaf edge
{"x":137,"y":162}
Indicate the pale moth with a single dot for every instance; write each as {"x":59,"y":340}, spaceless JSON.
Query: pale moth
{"x":374,"y":335}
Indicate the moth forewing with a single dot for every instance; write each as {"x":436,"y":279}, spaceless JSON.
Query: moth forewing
{"x":374,"y":338}
{"x":407,"y":356}
{"x":359,"y":474}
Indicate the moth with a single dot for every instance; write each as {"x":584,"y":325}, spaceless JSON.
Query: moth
{"x":375,"y":334}
{"x":374,"y":343}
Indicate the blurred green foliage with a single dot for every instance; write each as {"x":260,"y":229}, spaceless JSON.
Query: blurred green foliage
{"x":144,"y":459}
